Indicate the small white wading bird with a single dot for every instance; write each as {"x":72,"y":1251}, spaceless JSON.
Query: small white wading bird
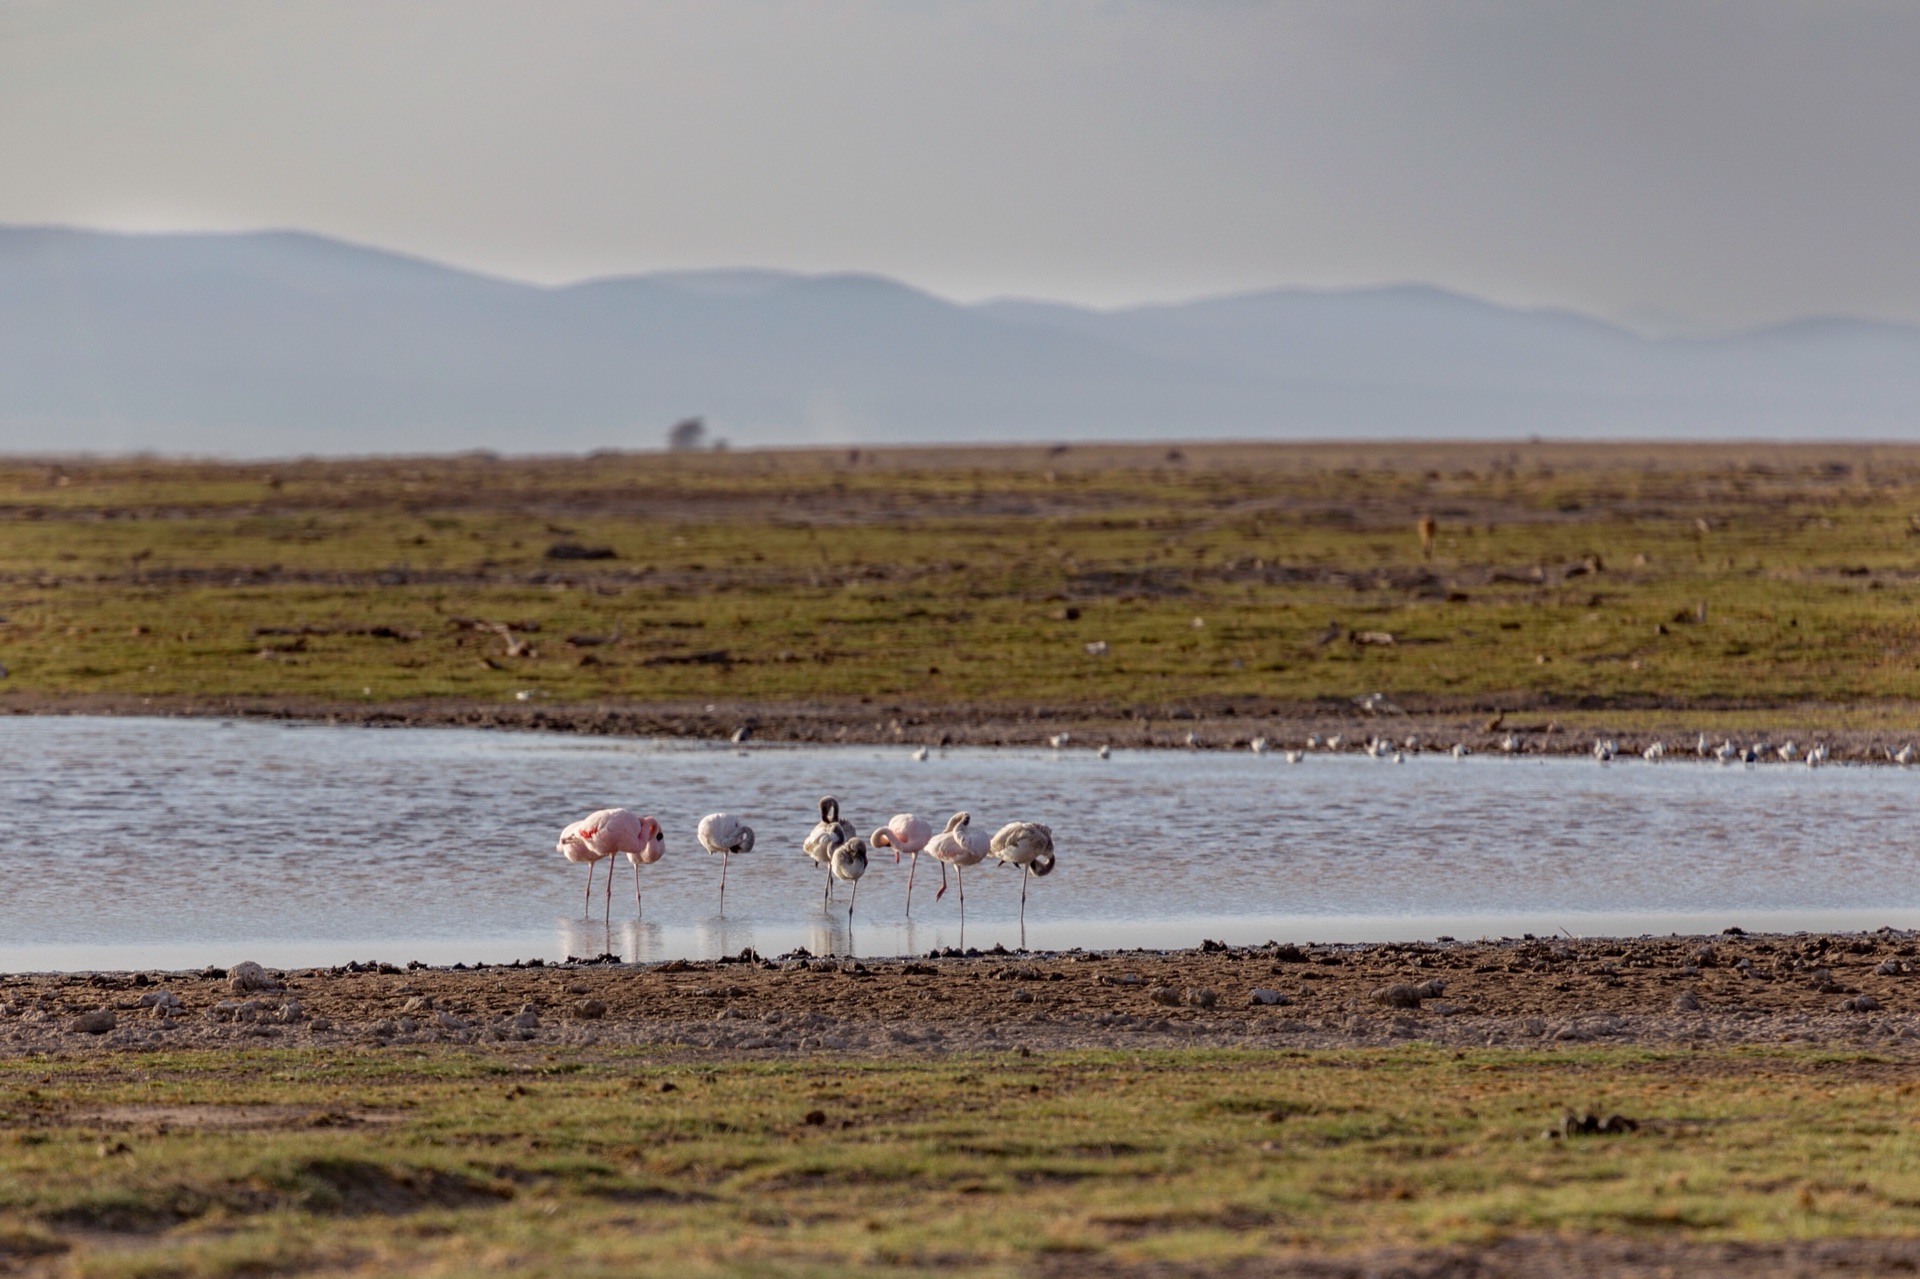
{"x":1259,"y":745}
{"x":1105,"y":751}
{"x":958,"y":846}
{"x":904,"y":833}
{"x":1460,"y":750}
{"x":921,"y":754}
{"x":849,"y":862}
{"x":1654,"y":752}
{"x":1028,"y":845}
{"x":1294,"y":757}
{"x":827,"y":834}
{"x":607,"y":832}
{"x":725,"y":834}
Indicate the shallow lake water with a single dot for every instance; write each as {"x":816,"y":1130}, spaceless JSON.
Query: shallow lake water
{"x":177,"y":842}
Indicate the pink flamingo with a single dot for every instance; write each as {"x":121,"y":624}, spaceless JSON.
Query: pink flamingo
{"x":610,"y":831}
{"x":904,"y":833}
{"x":958,"y":846}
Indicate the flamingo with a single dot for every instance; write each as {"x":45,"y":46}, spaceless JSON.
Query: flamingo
{"x":574,"y":846}
{"x":849,"y":862}
{"x":609,"y":831}
{"x":828,"y":833}
{"x":1293,"y":757}
{"x":1460,"y":750}
{"x":921,"y":755}
{"x":725,"y":834}
{"x":904,"y":833}
{"x":1028,"y":845}
{"x":1259,"y":745}
{"x":958,"y":846}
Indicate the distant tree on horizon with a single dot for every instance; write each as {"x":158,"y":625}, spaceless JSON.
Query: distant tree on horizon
{"x":687,"y":435}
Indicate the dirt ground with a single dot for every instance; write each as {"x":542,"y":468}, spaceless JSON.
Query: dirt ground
{"x":1840,"y":989}
{"x":1218,"y":723}
{"x":1536,"y":1257}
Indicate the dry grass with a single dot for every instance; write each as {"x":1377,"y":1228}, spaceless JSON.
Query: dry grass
{"x":1616,"y":577}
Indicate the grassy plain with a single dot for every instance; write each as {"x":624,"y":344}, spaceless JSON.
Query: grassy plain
{"x":451,"y":1161}
{"x":1629,"y":578}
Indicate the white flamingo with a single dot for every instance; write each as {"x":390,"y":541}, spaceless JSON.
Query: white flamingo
{"x":849,"y":862}
{"x":1460,"y":750}
{"x":725,"y":834}
{"x":1028,"y":845}
{"x":1654,"y":752}
{"x":1259,"y":745}
{"x":958,"y":845}
{"x":921,"y":754}
{"x":827,"y":834}
{"x":607,"y":832}
{"x":1294,"y":757}
{"x":904,"y":833}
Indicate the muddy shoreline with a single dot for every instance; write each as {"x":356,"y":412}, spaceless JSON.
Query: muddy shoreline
{"x":1220,"y":723}
{"x":1842,"y":989}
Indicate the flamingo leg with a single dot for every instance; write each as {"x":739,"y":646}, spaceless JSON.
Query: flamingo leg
{"x":586,"y":906}
{"x":960,"y":878}
{"x":636,"y":887}
{"x":943,"y":882}
{"x":853,"y":902}
{"x":723,"y":882}
{"x":911,"y":867}
{"x":828,"y":895}
{"x":609,"y":896}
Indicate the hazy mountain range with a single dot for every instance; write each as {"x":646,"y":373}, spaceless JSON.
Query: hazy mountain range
{"x":282,"y":342}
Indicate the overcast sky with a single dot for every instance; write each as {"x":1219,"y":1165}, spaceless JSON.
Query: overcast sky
{"x":1676,"y":163}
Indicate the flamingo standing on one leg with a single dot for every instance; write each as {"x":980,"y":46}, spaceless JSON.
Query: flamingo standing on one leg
{"x":725,"y":834}
{"x":904,"y":833}
{"x":828,"y":833}
{"x":608,"y":831}
{"x":849,"y":862}
{"x":1028,"y":845}
{"x":958,"y":846}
